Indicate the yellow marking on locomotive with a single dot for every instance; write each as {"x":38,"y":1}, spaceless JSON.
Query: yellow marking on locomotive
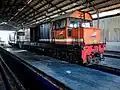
{"x":60,"y":37}
{"x":92,"y":41}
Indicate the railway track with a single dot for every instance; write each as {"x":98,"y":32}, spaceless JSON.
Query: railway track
{"x":109,"y":51}
{"x":9,"y":79}
{"x":104,"y":68}
{"x":30,"y":76}
{"x":100,"y":68}
{"x":2,"y":84}
{"x":113,"y":54}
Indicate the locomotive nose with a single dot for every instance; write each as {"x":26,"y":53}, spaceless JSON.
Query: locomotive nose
{"x":94,"y":58}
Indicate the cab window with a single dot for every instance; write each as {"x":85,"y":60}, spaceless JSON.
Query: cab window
{"x":76,"y":23}
{"x":59,"y":24}
{"x":20,"y":33}
{"x":87,"y":24}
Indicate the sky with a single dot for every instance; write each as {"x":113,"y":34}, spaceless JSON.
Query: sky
{"x":4,"y":35}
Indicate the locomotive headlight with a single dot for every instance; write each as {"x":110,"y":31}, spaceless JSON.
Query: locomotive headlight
{"x":94,"y":41}
{"x":81,"y":40}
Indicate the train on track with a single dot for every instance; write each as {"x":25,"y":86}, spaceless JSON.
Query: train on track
{"x":70,"y":36}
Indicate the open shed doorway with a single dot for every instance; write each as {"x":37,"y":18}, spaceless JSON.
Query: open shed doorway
{"x":4,"y":36}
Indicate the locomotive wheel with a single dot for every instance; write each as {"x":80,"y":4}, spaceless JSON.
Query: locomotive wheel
{"x":89,"y":61}
{"x":20,"y":45}
{"x":58,"y":54}
{"x":97,"y":60}
{"x":51,"y":52}
{"x":71,"y":58}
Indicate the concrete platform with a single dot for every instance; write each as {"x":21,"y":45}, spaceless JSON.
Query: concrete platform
{"x":112,"y":46}
{"x":111,"y":62}
{"x":74,"y":76}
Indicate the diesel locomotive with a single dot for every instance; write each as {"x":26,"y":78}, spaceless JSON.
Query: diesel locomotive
{"x":71,"y":37}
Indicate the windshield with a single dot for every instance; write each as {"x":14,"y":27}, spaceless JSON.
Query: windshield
{"x":76,"y":22}
{"x":86,"y":24}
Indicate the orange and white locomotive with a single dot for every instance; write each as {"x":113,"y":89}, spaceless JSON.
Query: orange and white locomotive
{"x":71,"y":37}
{"x":76,"y":29}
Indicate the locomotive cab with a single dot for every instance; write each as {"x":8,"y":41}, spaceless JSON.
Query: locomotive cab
{"x":74,"y":28}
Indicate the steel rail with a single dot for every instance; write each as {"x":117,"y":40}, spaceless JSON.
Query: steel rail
{"x":108,"y":69}
{"x":37,"y":72}
{"x":113,"y":54}
{"x":104,"y":68}
{"x":10,"y":80}
{"x":5,"y":77}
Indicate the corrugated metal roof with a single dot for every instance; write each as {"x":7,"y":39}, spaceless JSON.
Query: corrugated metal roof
{"x":30,"y":11}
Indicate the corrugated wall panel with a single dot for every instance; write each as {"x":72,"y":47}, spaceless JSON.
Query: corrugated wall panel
{"x":110,"y":28}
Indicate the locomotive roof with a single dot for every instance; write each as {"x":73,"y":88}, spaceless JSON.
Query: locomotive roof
{"x":62,"y":16}
{"x":75,"y":14}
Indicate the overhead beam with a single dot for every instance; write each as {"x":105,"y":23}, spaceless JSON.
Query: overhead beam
{"x":44,"y":9}
{"x":106,"y":7}
{"x":5,"y":6}
{"x":43,"y":14}
{"x":62,"y":10}
{"x":97,"y":11}
{"x":9,"y":11}
{"x":20,"y":10}
{"x":32,"y":11}
{"x":25,"y":15}
{"x":81,"y":8}
{"x":27,"y":9}
{"x":30,"y":19}
{"x":14,"y":8}
{"x":54,"y":6}
{"x":71,"y":8}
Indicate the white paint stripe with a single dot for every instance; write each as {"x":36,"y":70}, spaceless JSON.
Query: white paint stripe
{"x":63,"y":40}
{"x":20,"y":51}
{"x":45,"y":39}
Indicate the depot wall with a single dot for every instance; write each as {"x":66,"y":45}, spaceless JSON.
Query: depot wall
{"x":110,"y":30}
